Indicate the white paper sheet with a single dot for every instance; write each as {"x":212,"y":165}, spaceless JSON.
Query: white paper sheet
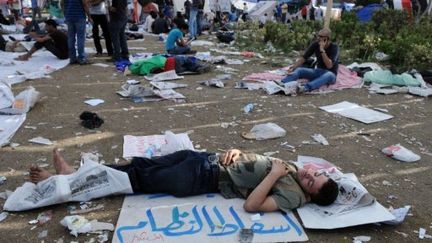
{"x":38,"y":66}
{"x":8,"y":126}
{"x":365,"y":215}
{"x":168,"y":75}
{"x":94,"y":102}
{"x":167,"y":85}
{"x":205,"y":218}
{"x":134,"y":146}
{"x":356,"y":112}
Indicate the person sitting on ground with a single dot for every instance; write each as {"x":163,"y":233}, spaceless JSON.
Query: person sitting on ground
{"x":176,"y":44}
{"x":179,"y":20}
{"x":160,"y":25}
{"x":55,"y":41}
{"x":11,"y":46}
{"x":149,"y":21}
{"x":267,"y":184}
{"x":327,"y":54}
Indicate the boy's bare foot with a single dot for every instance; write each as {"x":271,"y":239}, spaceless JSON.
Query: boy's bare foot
{"x":38,"y":174}
{"x":60,"y":164}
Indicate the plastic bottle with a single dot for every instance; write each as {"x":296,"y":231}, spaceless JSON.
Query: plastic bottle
{"x":150,"y":152}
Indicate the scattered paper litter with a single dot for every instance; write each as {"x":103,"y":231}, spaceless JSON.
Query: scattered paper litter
{"x":3,"y":216}
{"x":2,"y":179}
{"x":132,"y":81}
{"x":361,"y":238}
{"x":320,"y":139}
{"x":167,"y":85}
{"x":169,"y":75}
{"x":399,"y":213}
{"x":101,"y":65}
{"x":87,"y":210}
{"x":78,"y":224}
{"x":41,"y":140}
{"x":43,"y":234}
{"x":94,"y":102}
{"x":356,"y":112}
{"x":422,"y":233}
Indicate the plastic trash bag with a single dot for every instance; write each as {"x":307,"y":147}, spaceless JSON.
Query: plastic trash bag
{"x":92,"y":180}
{"x":265,"y":131}
{"x":6,"y":96}
{"x":23,"y":102}
{"x":401,"y":153}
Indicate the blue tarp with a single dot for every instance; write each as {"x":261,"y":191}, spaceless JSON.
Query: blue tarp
{"x":365,"y":14}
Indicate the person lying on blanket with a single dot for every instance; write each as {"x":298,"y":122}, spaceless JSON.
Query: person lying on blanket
{"x":327,"y":54}
{"x":55,"y":42}
{"x":267,"y":184}
{"x":11,"y":46}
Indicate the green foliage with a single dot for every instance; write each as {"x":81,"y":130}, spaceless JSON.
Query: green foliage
{"x":409,"y":44}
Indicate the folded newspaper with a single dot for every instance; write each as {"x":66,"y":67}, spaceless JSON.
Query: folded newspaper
{"x":352,"y":194}
{"x":92,"y":180}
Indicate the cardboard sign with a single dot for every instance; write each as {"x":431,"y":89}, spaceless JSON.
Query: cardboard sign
{"x":205,"y":218}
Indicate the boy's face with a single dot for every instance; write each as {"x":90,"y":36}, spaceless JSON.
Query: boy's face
{"x":311,"y":180}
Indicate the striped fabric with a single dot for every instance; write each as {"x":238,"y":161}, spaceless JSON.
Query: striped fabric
{"x":74,"y":10}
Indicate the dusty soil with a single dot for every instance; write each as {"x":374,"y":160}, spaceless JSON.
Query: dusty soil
{"x":56,"y":117}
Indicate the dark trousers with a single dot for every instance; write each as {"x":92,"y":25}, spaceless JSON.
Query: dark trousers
{"x":102,"y":21}
{"x":2,"y":43}
{"x":183,"y":173}
{"x":118,"y":38}
{"x":184,"y":64}
{"x":50,"y":46}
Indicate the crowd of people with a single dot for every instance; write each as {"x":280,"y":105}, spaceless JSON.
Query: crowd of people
{"x":112,"y":18}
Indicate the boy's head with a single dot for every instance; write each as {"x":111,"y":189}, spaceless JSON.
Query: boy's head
{"x":50,"y":25}
{"x":184,"y":28}
{"x":321,"y":189}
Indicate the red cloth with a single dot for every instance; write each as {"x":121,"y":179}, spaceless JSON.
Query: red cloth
{"x":170,"y":64}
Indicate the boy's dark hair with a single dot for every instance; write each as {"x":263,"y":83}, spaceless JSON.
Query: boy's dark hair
{"x":51,"y":22}
{"x":327,"y":194}
{"x":184,"y":26}
{"x":153,"y":14}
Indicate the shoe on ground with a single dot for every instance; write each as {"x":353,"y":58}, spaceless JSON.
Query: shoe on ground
{"x":301,"y":89}
{"x":84,"y":62}
{"x":73,"y":62}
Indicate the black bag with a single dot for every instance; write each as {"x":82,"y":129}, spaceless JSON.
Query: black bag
{"x":225,"y":36}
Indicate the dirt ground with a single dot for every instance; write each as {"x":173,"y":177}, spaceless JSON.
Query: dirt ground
{"x":56,"y":117}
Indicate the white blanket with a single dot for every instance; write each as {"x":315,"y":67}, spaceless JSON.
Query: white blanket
{"x":39,"y":65}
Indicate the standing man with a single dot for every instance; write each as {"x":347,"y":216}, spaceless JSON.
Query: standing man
{"x":98,"y":14}
{"x":35,"y":10}
{"x":118,"y":20}
{"x":75,"y":12}
{"x":16,"y":8}
{"x":327,"y":54}
{"x":284,"y":9}
{"x":187,"y":7}
{"x":193,"y":17}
